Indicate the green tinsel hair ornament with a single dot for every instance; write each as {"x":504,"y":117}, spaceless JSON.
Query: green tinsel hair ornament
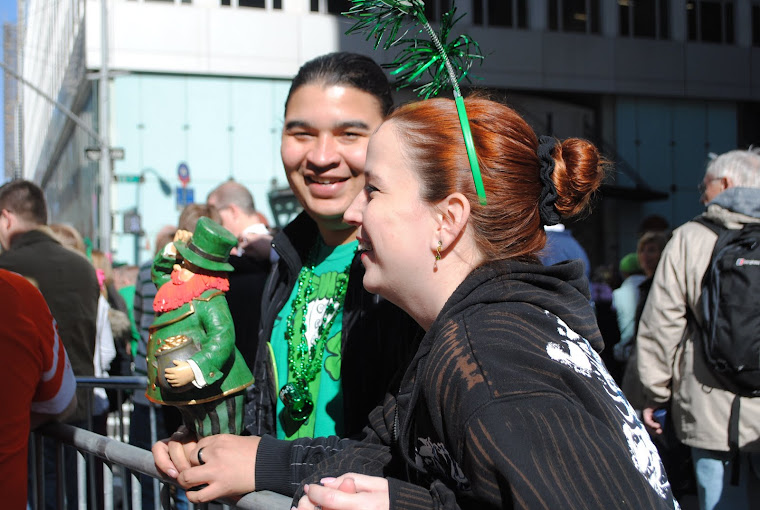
{"x":438,"y":57}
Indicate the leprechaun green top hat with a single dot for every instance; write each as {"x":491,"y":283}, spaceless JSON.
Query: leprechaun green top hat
{"x":209,"y":247}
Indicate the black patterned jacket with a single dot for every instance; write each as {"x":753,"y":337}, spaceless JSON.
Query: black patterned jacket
{"x":506,"y":405}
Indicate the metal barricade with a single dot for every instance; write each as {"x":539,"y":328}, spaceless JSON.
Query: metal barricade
{"x":121,"y":461}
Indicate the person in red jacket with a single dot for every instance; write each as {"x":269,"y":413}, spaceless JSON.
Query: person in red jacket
{"x":39,"y":383}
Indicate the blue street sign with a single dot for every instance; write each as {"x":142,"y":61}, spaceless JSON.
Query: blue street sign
{"x":185,"y":196}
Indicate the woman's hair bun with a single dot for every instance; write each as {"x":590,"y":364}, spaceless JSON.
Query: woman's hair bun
{"x":579,"y":171}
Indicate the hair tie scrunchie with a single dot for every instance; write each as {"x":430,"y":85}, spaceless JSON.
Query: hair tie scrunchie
{"x":546,"y":210}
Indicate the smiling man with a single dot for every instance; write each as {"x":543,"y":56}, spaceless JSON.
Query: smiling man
{"x":328,"y":349}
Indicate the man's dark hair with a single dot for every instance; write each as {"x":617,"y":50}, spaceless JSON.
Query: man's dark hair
{"x":24,"y":199}
{"x":344,"y":68}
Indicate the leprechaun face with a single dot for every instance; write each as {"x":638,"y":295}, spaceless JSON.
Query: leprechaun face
{"x":324,"y":146}
{"x":181,"y":274}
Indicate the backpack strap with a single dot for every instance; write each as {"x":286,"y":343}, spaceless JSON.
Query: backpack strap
{"x":715,"y":227}
{"x":733,"y":440}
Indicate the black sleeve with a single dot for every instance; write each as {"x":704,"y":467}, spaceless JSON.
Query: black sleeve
{"x":284,"y":466}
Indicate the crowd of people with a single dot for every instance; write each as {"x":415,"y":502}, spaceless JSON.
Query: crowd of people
{"x":411,"y":345}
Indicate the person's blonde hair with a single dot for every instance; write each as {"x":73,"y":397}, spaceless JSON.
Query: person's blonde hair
{"x":68,"y":236}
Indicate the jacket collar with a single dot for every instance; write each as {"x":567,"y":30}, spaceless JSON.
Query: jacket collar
{"x":42,"y":234}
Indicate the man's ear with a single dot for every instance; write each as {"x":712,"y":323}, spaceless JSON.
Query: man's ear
{"x":9,"y":217}
{"x":453,"y":214}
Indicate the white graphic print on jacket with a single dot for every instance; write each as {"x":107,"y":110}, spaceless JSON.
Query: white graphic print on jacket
{"x":575,"y":352}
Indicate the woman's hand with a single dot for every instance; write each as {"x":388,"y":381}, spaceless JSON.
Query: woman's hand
{"x":179,"y":375}
{"x":221,"y":466}
{"x":347,"y":492}
{"x":172,"y":455}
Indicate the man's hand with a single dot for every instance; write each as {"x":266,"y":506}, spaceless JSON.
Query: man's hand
{"x":228,"y":469}
{"x":257,"y":246}
{"x":651,"y":424}
{"x":179,"y":375}
{"x":172,"y":455}
{"x":348,"y":492}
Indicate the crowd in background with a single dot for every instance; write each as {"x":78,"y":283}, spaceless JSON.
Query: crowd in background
{"x":104,"y":309}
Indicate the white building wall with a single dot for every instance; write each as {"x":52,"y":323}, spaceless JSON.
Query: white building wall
{"x":211,"y":40}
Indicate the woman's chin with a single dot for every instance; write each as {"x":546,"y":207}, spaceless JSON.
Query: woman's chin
{"x":371,"y":283}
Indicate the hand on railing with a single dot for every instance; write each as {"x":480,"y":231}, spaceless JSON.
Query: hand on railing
{"x":227,"y":470}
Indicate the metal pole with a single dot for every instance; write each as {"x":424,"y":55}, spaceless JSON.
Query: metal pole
{"x":106,"y":163}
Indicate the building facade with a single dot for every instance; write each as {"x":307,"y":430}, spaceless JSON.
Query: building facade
{"x":196,"y":90}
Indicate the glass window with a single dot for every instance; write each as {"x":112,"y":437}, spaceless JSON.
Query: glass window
{"x":574,"y":16}
{"x":434,"y":9}
{"x":644,"y":18}
{"x":260,"y":4}
{"x":338,"y":6}
{"x":500,"y":13}
{"x":710,"y":20}
{"x":477,"y":12}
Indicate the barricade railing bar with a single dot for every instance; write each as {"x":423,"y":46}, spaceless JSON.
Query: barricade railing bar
{"x":120,"y":460}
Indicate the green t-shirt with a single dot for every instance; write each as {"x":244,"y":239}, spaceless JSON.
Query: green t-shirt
{"x":327,"y":417}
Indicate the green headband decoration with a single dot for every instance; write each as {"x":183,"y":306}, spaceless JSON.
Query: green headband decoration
{"x":437,"y":57}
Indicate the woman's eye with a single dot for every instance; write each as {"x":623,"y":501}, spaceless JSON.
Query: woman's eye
{"x":369,"y":189}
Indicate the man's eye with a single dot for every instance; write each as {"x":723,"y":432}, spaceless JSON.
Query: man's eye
{"x":369,"y":189}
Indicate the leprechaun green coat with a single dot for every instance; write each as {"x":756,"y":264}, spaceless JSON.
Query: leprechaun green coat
{"x":207,"y":320}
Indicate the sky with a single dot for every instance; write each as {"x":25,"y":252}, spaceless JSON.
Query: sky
{"x":7,"y":15}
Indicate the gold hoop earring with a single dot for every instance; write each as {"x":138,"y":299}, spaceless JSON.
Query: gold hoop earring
{"x":437,"y":254}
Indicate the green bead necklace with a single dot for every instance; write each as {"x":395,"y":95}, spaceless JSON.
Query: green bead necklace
{"x":305,"y":362}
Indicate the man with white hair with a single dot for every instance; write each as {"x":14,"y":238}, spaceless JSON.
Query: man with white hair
{"x":671,"y":360}
{"x":238,"y":215}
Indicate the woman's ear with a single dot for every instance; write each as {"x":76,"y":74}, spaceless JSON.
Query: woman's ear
{"x":454,"y":212}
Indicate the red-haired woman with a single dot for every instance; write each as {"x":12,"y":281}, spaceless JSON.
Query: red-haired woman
{"x":506,"y":404}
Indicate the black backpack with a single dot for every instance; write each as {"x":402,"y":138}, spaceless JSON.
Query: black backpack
{"x":731,"y":326}
{"x":731,"y":308}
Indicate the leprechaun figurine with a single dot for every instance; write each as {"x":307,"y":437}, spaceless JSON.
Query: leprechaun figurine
{"x":193,"y":363}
